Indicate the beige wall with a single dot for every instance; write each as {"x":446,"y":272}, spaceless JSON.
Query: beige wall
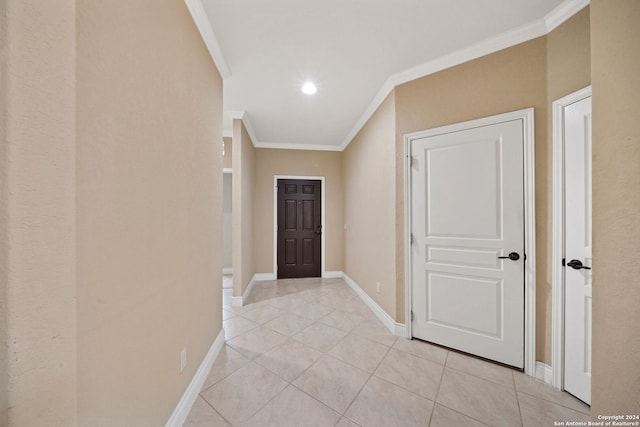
{"x":37,"y":213}
{"x":508,"y":80}
{"x":149,"y":188}
{"x":615,"y":62}
{"x":242,"y":205}
{"x":369,"y":207}
{"x":531,"y":74}
{"x":270,"y":162}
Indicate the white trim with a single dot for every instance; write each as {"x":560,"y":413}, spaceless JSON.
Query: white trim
{"x":295,"y":146}
{"x":557,"y":235}
{"x":227,"y":133}
{"x":242,"y":115}
{"x":237,"y":301}
{"x":509,"y":38}
{"x":227,"y":170}
{"x":227,"y":270}
{"x":527,"y":117}
{"x":386,"y":320}
{"x":182,"y":409}
{"x":562,"y":12}
{"x":323,"y":207}
{"x":377,"y":100}
{"x":544,"y":372}
{"x":333,"y":275}
{"x":486,"y":47}
{"x":408,"y":297}
{"x":200,"y":17}
{"x":400,"y":330}
{"x":261,"y":277}
{"x":504,"y":40}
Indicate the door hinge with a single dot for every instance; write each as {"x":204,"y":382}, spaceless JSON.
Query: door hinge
{"x":412,"y":315}
{"x":413,"y":161}
{"x":412,"y":239}
{"x":564,"y":262}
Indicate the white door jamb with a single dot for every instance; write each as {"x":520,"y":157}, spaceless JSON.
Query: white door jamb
{"x":557,"y":239}
{"x":275,"y":219}
{"x":526,"y":116}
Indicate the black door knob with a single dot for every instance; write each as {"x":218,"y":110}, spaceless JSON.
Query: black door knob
{"x":576,"y":264}
{"x":513,"y":256}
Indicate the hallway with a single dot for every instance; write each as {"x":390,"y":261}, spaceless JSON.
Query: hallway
{"x":309,"y":352}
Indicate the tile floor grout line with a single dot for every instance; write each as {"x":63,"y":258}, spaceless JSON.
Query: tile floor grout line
{"x":217,"y":412}
{"x":435,"y":399}
{"x":511,"y":371}
{"x":515,"y":388}
{"x":336,"y":296}
{"x":366,"y":382}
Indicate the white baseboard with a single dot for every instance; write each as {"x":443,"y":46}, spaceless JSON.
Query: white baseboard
{"x":394,"y":327}
{"x":333,"y":275}
{"x":227,"y":270}
{"x":181,"y":412}
{"x":544,"y":372}
{"x":259,"y":277}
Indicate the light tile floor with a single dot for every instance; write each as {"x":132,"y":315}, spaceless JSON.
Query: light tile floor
{"x":309,"y":352}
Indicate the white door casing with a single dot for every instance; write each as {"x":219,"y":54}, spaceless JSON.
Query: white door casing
{"x":467,"y":208}
{"x":572,"y":296}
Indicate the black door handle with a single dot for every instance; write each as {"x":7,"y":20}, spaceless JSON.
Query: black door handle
{"x":513,"y":256}
{"x":576,"y":264}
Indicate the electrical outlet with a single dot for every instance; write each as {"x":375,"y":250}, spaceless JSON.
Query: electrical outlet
{"x":183,"y":359}
{"x":378,"y":287}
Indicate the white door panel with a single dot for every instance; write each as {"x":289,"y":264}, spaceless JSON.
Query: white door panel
{"x":467,"y":210}
{"x":577,"y":351}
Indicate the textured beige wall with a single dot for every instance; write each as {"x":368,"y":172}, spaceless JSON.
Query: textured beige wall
{"x":615,"y":61}
{"x":37,"y":210}
{"x":568,"y":70}
{"x":242,"y":205}
{"x":508,"y":80}
{"x":149,"y":214}
{"x":270,"y":162}
{"x":369,"y":207}
{"x":4,"y":213}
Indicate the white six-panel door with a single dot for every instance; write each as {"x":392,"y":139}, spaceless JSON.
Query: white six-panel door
{"x":467,"y":211}
{"x":577,"y":193}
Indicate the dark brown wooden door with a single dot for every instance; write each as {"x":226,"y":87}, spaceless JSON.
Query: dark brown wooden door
{"x":299,"y":228}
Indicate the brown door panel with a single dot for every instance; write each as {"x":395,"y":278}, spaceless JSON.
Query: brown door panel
{"x":299,"y":228}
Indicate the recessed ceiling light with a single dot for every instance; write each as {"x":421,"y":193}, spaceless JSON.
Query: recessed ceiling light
{"x":309,"y":88}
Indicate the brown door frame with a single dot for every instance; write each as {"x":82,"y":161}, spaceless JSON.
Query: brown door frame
{"x":322,"y":217}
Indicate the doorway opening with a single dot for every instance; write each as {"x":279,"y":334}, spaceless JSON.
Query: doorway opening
{"x":299,"y":213}
{"x":470,"y":237}
{"x":572,"y":245}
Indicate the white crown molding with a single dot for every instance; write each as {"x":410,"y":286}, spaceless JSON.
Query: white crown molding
{"x":524,"y":33}
{"x":242,"y":115}
{"x":502,"y":41}
{"x":205,"y":28}
{"x":294,"y":146}
{"x":382,"y":94}
{"x":564,"y":11}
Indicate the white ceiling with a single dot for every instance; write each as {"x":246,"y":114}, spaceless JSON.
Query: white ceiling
{"x":354,"y":50}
